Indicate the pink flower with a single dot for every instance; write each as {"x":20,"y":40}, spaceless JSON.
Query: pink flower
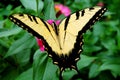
{"x":40,"y":44}
{"x":60,"y":9}
{"x":57,"y":22}
{"x":50,"y":21}
{"x":100,"y":4}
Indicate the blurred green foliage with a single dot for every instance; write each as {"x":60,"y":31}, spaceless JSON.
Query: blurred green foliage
{"x":21,"y":59}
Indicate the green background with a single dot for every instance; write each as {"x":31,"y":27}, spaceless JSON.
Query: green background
{"x":21,"y":59}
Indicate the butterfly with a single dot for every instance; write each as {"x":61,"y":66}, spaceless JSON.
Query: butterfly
{"x":63,"y":42}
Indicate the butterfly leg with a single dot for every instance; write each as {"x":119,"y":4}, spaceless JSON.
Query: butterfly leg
{"x":61,"y":70}
{"x":79,"y":75}
{"x":77,"y":70}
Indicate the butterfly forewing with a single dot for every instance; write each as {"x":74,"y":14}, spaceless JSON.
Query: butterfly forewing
{"x":38,"y":28}
{"x":79,"y":21}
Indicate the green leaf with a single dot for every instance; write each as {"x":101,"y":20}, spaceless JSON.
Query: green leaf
{"x":39,"y":65}
{"x":18,"y":9}
{"x":118,"y":38}
{"x":89,"y":49}
{"x":53,"y":69}
{"x":29,"y":4}
{"x":26,"y":75}
{"x":94,"y":71}
{"x":85,"y":61}
{"x":49,"y":10}
{"x":109,"y":44}
{"x":98,"y":29}
{"x":90,"y":39}
{"x":115,"y":68}
{"x":39,"y":6}
{"x":6,"y":11}
{"x":10,"y":32}
{"x":1,"y":23}
{"x":23,"y":57}
{"x":43,"y":68}
{"x":68,"y":74}
{"x":9,"y":74}
{"x":4,"y":43}
{"x":26,"y":42}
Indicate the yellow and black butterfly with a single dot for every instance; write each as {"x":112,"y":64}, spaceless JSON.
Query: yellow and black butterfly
{"x":63,"y":42}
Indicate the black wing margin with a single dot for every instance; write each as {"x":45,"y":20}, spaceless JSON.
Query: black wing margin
{"x":38,"y":28}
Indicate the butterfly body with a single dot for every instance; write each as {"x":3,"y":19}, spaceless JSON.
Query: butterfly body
{"x":63,"y":42}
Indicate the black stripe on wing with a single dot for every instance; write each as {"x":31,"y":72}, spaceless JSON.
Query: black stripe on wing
{"x":51,"y":53}
{"x":95,"y":18}
{"x":30,"y":30}
{"x":74,"y":55}
{"x":32,"y":19}
{"x":77,"y":15}
{"x":66,"y":22}
{"x":24,"y":26}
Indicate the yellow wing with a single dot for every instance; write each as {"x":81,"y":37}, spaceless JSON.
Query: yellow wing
{"x":72,"y":27}
{"x":69,"y":29}
{"x":64,"y":42}
{"x":39,"y":28}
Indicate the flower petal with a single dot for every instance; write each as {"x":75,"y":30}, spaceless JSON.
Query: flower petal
{"x":100,"y":4}
{"x":63,"y":9}
{"x":57,"y":22}
{"x":50,"y":21}
{"x":40,"y":43}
